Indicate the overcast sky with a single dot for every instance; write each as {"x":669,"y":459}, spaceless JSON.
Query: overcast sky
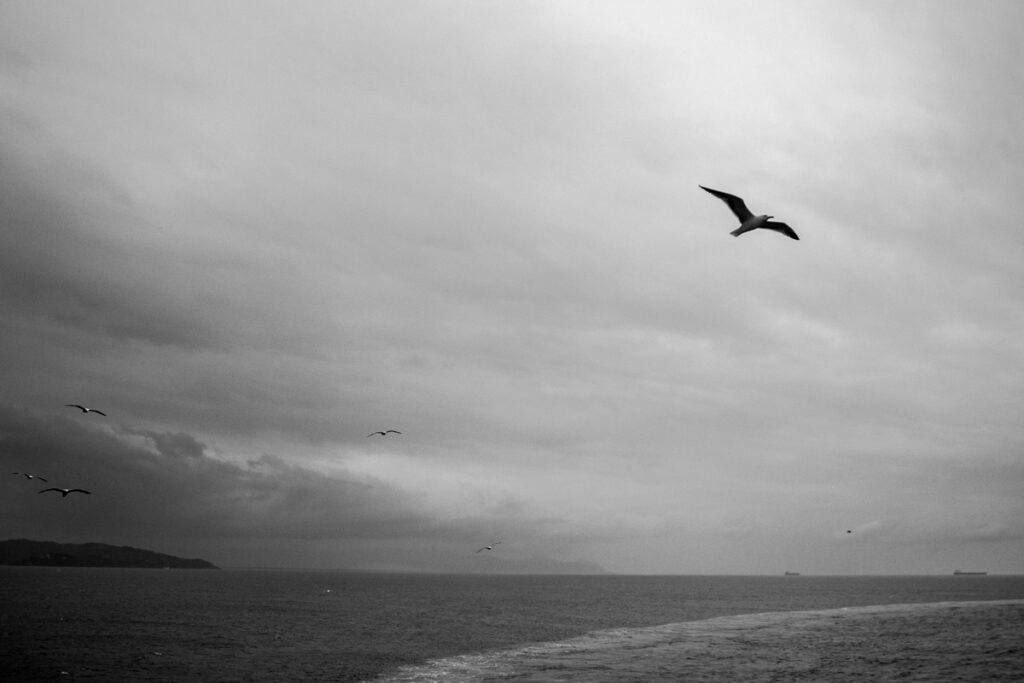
{"x":253,"y":235}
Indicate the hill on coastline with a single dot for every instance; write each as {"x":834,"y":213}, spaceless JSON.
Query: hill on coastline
{"x":23,"y":552}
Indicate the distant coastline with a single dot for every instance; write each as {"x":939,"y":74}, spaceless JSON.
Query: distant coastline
{"x":25,"y":553}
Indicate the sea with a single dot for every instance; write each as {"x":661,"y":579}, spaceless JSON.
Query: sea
{"x":261,"y":625}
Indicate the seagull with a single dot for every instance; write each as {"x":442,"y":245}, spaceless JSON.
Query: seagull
{"x":749,"y":221}
{"x":390,"y":431}
{"x":64,"y":492}
{"x":30,"y":476}
{"x":488,"y":547}
{"x":84,"y":409}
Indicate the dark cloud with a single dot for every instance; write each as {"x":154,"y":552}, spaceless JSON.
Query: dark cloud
{"x":55,"y":267}
{"x":170,"y":485}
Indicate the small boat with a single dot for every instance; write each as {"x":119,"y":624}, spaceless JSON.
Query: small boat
{"x":963,"y":573}
{"x":792,"y":574}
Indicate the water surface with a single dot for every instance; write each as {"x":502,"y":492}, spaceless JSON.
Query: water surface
{"x":235,"y":625}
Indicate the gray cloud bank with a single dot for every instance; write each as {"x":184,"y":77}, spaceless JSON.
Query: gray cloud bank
{"x":171,"y":489}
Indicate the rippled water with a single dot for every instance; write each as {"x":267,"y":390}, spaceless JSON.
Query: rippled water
{"x":962,"y":641}
{"x":233,"y":625}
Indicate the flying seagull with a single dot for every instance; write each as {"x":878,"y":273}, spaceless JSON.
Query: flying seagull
{"x":30,"y":476}
{"x":749,"y":221}
{"x":488,"y":547}
{"x":64,"y":492}
{"x":85,"y":410}
{"x":390,"y":431}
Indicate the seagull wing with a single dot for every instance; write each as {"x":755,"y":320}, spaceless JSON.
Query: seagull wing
{"x":98,"y":412}
{"x":52,"y":489}
{"x":374,"y":434}
{"x":393,"y":431}
{"x":736,"y":204}
{"x":781,"y":227}
{"x":88,"y":493}
{"x":41,"y":479}
{"x":75,"y":405}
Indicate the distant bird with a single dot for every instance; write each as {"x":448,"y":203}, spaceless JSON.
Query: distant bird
{"x":488,"y":547}
{"x":849,"y":531}
{"x":30,"y":476}
{"x":749,"y":221}
{"x":64,"y":492}
{"x":84,"y":409}
{"x":390,"y":431}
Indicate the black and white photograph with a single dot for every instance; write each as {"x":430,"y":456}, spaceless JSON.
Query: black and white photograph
{"x":492,"y":340}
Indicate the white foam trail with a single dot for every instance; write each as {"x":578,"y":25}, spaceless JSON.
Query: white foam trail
{"x":634,"y":653}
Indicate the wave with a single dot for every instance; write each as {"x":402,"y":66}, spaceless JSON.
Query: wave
{"x":853,"y":641}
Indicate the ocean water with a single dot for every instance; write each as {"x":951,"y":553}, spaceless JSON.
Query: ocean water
{"x":951,"y":641}
{"x":236,"y":625}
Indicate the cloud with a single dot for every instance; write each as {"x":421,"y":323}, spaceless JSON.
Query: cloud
{"x":171,"y":487}
{"x":170,"y":484}
{"x":254,"y":239}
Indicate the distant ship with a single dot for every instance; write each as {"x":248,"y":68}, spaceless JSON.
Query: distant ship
{"x":963,"y":573}
{"x":792,"y":574}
